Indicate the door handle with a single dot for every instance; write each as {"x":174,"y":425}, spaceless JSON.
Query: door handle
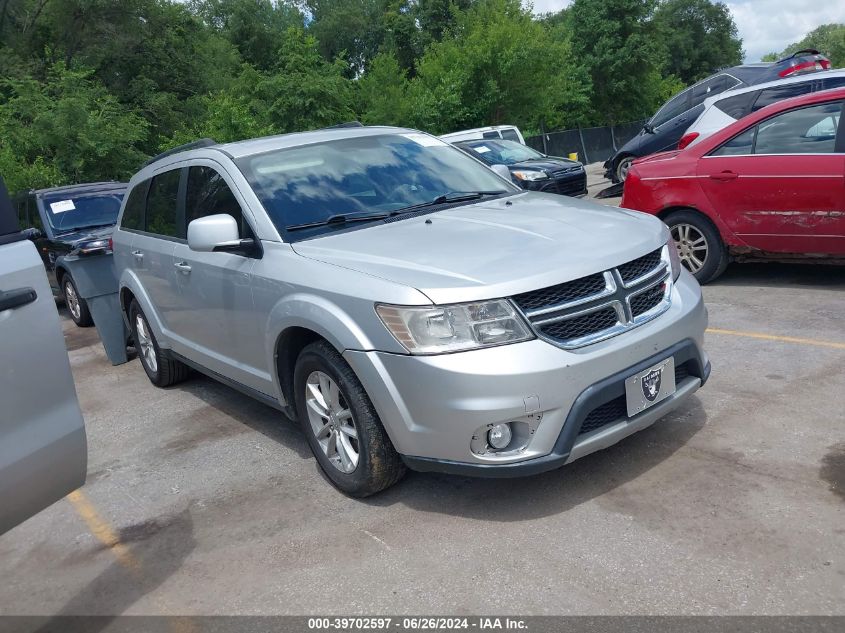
{"x":11,"y":299}
{"x":725,"y":175}
{"x":183,"y":267}
{"x":138,"y":255}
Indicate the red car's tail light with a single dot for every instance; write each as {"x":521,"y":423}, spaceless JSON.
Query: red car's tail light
{"x":686,"y":139}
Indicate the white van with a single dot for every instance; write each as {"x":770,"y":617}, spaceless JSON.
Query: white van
{"x":723,"y":109}
{"x":507,"y":132}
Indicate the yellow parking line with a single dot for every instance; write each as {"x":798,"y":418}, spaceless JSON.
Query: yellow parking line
{"x":101,"y":530}
{"x":782,"y":339}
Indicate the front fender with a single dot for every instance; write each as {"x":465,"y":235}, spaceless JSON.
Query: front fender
{"x":340,"y":327}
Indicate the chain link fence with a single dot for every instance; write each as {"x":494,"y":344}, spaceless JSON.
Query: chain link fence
{"x":592,"y":144}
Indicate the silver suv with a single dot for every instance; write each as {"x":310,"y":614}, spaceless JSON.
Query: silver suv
{"x":408,"y":305}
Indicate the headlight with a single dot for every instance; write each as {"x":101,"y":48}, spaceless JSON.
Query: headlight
{"x":529,"y":174}
{"x":452,"y":328}
{"x":674,"y":258}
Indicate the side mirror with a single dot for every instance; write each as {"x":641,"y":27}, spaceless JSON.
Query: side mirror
{"x":32,"y":233}
{"x":648,"y":128}
{"x":213,"y":232}
{"x":503,"y":171}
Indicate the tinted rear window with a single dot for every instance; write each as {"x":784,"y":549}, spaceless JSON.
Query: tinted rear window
{"x":738,"y":105}
{"x":773,"y":95}
{"x":163,"y":203}
{"x":133,"y":214}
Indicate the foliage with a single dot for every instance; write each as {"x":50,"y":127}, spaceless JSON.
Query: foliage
{"x":67,"y":127}
{"x":89,"y":88}
{"x":828,"y":39}
{"x":618,"y":41}
{"x":699,"y":37}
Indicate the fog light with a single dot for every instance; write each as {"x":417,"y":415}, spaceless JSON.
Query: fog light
{"x":499,"y":436}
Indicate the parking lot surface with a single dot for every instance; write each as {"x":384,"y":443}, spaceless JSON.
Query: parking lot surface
{"x":202,"y":501}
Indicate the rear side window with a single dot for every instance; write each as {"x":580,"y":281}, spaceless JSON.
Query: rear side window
{"x":710,"y":88}
{"x":773,"y":95}
{"x":208,"y":194}
{"x":832,"y":82}
{"x":163,"y":204}
{"x":133,"y":214}
{"x":675,"y":106}
{"x":510,"y":135}
{"x":738,"y":105}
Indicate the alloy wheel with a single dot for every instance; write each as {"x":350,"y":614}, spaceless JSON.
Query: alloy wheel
{"x":72,"y":300}
{"x":624,"y":168}
{"x":331,"y":421}
{"x":692,"y":246}
{"x":145,"y":343}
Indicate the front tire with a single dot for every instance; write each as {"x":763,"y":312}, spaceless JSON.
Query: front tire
{"x":341,"y":424}
{"x":76,"y":305}
{"x":161,"y":370}
{"x":700,"y":247}
{"x":623,"y":167}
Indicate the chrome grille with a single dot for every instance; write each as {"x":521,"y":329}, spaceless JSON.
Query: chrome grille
{"x":562,"y":293}
{"x":598,"y":306}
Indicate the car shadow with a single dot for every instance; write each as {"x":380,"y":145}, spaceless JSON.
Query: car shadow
{"x":778,"y":275}
{"x":150,"y":553}
{"x":253,"y":414}
{"x":553,"y":492}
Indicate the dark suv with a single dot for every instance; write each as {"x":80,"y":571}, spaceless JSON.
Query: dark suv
{"x":76,"y":219}
{"x":667,"y":126}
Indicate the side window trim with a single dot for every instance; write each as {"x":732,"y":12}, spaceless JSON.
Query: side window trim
{"x":839,"y":143}
{"x":246,"y":211}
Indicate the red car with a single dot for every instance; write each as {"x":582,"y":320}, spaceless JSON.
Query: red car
{"x":769,"y":186}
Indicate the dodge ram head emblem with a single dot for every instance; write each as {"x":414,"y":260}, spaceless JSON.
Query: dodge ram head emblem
{"x":651,"y":384}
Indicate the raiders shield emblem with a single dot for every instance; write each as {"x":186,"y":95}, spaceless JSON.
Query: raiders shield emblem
{"x":651,"y":383}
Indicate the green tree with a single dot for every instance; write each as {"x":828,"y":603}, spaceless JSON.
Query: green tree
{"x":67,"y":129}
{"x":252,"y":26}
{"x":493,"y":69}
{"x":700,"y":37}
{"x":383,"y":97}
{"x":617,"y":43}
{"x":828,"y":38}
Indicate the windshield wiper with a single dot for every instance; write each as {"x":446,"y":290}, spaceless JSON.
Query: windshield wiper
{"x":452,"y":196}
{"x":341,"y":218}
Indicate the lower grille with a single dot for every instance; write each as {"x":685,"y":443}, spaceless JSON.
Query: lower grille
{"x":681,"y":373}
{"x":607,"y":413}
{"x":581,"y":326}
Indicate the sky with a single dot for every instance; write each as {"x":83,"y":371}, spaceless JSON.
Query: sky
{"x":765,"y":26}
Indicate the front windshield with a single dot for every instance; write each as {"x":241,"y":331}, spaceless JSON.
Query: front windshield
{"x":362,"y":175}
{"x":503,"y":152}
{"x":68,"y":212}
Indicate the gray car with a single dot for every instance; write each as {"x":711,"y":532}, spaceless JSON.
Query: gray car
{"x":409,"y":306}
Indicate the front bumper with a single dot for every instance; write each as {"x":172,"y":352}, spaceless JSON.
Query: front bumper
{"x":432,"y":405}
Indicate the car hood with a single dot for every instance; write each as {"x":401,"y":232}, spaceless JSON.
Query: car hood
{"x":495,"y":248}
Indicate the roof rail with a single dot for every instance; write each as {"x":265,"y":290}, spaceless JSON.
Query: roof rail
{"x":342,"y":125}
{"x":803,"y":51}
{"x":203,"y":142}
